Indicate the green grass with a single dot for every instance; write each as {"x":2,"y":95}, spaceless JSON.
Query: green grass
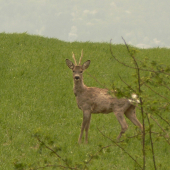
{"x":36,"y":97}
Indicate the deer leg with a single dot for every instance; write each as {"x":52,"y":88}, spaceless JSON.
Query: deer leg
{"x":131,"y":115}
{"x":86,"y":117}
{"x":87,"y":129}
{"x":122,"y":121}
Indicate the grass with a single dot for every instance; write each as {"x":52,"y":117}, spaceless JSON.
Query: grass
{"x":36,"y":97}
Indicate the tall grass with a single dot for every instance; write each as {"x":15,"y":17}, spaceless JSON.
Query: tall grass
{"x":36,"y":97}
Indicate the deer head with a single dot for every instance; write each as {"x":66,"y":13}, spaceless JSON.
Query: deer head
{"x":77,"y":69}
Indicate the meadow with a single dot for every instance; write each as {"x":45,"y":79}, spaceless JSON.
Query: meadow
{"x":36,"y":99}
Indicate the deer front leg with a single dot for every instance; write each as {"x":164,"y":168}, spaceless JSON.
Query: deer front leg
{"x":85,"y":124}
{"x":122,"y":121}
{"x":87,"y":129}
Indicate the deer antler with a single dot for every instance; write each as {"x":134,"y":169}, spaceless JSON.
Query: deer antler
{"x":74,"y":58}
{"x":81,"y":57}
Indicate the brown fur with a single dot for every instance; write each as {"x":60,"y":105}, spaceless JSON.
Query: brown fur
{"x":96,"y":100}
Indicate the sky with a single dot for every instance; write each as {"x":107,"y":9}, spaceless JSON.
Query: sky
{"x":142,"y":23}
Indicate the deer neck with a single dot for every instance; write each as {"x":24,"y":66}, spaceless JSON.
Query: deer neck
{"x":79,"y":87}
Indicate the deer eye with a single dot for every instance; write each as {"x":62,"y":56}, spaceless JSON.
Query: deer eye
{"x":81,"y":71}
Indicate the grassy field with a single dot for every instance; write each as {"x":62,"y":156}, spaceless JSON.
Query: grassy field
{"x":36,"y":97}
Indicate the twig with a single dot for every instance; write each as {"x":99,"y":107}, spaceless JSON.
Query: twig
{"x":156,"y":92}
{"x":162,"y":136}
{"x":50,"y":149}
{"x":165,"y":86}
{"x":161,"y":128}
{"x":50,"y":166}
{"x":141,"y":102}
{"x":129,"y":137}
{"x":109,"y":146}
{"x":97,"y":153}
{"x":96,"y":80}
{"x":141,"y":68}
{"x":163,"y":119}
{"x":150,"y":134}
{"x":55,"y":154}
{"x":118,"y":60}
{"x":131,"y":66}
{"x":126,"y":84}
{"x":120,"y":148}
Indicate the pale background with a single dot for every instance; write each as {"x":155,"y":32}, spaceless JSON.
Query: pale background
{"x":142,"y":23}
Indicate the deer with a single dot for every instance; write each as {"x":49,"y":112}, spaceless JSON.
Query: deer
{"x":93,"y":100}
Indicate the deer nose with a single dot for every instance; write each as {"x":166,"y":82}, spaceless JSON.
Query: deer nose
{"x":77,"y":77}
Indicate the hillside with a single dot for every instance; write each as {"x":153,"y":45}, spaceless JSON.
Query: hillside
{"x":36,"y":98}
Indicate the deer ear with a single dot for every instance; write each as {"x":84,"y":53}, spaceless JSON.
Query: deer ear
{"x":69,"y":64}
{"x":86,"y":64}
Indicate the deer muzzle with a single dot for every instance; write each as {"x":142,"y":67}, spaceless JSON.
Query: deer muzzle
{"x":77,"y":78}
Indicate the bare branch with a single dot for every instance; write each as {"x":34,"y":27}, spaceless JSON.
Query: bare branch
{"x":55,"y":153}
{"x":131,"y":66}
{"x":120,"y":148}
{"x":160,"y":127}
{"x":97,"y":153}
{"x":163,"y":119}
{"x":165,"y":86}
{"x":127,"y":84}
{"x":150,"y":134}
{"x":162,"y":136}
{"x":118,"y":60}
{"x":46,"y":166}
{"x":156,"y":92}
{"x":141,"y":102}
{"x":97,"y":80}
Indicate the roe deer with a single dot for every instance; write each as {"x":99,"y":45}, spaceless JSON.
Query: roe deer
{"x":96,"y":100}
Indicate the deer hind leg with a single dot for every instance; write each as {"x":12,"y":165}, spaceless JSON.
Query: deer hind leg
{"x":86,"y":121}
{"x":122,"y":121}
{"x":131,"y":115}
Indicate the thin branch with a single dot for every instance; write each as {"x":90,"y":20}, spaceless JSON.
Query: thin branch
{"x":50,"y":149}
{"x":126,"y":84}
{"x":143,"y":138}
{"x":97,"y":80}
{"x":137,"y":66}
{"x":141,"y":68}
{"x":118,"y":60}
{"x":165,"y":86}
{"x":163,"y":119}
{"x":162,"y":136}
{"x":57,"y":155}
{"x":131,"y":66}
{"x":120,"y":148}
{"x":159,"y":126}
{"x":97,"y":153}
{"x":130,"y":137}
{"x":156,"y":92}
{"x":141,"y":102}
{"x":150,"y":134}
{"x":50,"y":166}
